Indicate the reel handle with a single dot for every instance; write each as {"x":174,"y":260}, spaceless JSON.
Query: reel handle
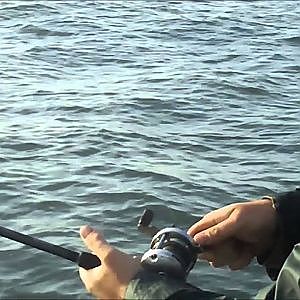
{"x":172,"y":251}
{"x":145,"y":221}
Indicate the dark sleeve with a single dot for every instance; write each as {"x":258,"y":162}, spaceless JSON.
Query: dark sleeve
{"x":149,"y":285}
{"x":287,"y":206}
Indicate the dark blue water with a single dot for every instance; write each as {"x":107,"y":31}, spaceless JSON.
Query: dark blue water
{"x":111,"y":106}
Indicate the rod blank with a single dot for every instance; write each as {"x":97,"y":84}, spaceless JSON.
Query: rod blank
{"x":84,"y":259}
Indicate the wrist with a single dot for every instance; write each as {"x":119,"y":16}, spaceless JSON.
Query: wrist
{"x":270,"y":215}
{"x":264,"y":256}
{"x":266,"y":228}
{"x":286,"y":206}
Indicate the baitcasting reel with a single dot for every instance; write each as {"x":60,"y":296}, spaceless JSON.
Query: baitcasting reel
{"x":172,"y":251}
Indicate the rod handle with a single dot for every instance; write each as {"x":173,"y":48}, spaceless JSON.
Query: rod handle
{"x":88,"y":260}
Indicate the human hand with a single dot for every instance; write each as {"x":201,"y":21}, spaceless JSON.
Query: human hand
{"x":110,"y":280}
{"x":234,"y":234}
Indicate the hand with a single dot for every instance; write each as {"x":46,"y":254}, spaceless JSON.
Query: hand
{"x":236,"y":233}
{"x":110,"y":280}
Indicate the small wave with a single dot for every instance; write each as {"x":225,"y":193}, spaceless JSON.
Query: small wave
{"x":3,"y":159}
{"x":27,"y":157}
{"x":57,"y":185}
{"x":23,"y":146}
{"x":47,"y":205}
{"x":242,"y":29}
{"x":248,"y":90}
{"x":76,"y":109}
{"x":222,"y":59}
{"x":279,"y":57}
{"x":156,"y":176}
{"x":27,"y":111}
{"x":42,"y":32}
{"x":28,"y":7}
{"x":4,"y":18}
{"x":294,"y":41}
{"x":114,"y":197}
{"x":85,"y":152}
{"x":293,"y":68}
{"x":35,"y":49}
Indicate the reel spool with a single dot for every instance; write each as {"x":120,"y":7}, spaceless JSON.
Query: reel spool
{"x":172,"y":252}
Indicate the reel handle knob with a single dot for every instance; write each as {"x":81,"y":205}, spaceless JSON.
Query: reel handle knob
{"x":146,"y":218}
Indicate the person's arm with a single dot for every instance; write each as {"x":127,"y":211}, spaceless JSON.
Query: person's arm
{"x":120,"y":275}
{"x":275,"y":216}
{"x":267,"y":228}
{"x":234,"y":234}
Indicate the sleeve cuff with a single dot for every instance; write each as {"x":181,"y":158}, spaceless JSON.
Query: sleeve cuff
{"x":274,"y":258}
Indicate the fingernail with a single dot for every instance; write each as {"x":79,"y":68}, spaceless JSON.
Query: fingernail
{"x":85,"y":231}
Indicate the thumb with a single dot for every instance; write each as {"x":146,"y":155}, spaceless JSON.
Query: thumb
{"x":94,"y":241}
{"x":216,"y":234}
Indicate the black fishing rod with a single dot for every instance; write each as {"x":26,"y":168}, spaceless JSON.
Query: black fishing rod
{"x":83,"y":259}
{"x":172,"y":251}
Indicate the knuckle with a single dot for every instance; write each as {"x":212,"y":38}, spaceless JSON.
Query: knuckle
{"x":91,"y":236}
{"x":94,"y":240}
{"x":213,"y":232}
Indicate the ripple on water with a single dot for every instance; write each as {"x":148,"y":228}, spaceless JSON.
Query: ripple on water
{"x":42,"y":32}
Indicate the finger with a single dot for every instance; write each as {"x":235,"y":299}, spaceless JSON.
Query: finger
{"x":217,"y":264}
{"x":94,"y":241}
{"x":217,"y":233}
{"x":209,"y":256}
{"x":243,"y":261}
{"x":207,"y":221}
{"x":212,"y":260}
{"x":222,"y":254}
{"x":211,"y":219}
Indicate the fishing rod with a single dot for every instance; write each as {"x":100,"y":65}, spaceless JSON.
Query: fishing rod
{"x":172,"y":251}
{"x":85,"y":260}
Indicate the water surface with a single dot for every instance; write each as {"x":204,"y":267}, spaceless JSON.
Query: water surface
{"x":111,"y":106}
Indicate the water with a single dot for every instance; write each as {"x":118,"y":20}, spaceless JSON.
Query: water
{"x":111,"y":106}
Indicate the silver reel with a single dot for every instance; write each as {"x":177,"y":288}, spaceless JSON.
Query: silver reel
{"x":172,"y":251}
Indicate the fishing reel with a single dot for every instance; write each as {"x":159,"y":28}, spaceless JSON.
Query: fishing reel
{"x":172,"y":251}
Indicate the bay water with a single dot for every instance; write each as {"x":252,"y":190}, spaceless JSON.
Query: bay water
{"x":109,"y":107}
